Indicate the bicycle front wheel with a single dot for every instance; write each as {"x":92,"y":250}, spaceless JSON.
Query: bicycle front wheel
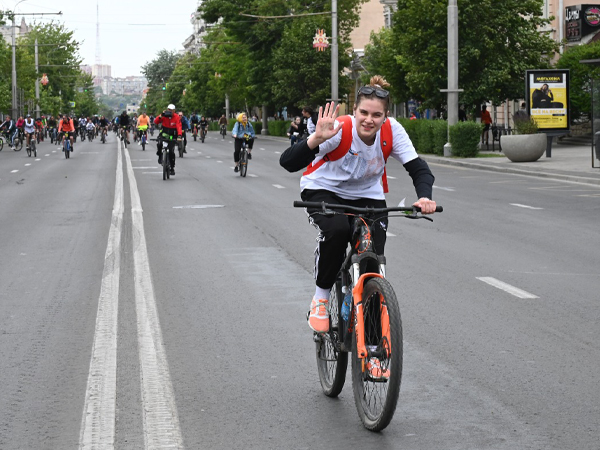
{"x":166,"y":173}
{"x":243,"y":162}
{"x":331,"y":362}
{"x":376,"y":379}
{"x":18,"y":145}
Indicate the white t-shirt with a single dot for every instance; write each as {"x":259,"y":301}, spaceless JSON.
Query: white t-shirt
{"x":358,"y":174}
{"x":29,"y":126}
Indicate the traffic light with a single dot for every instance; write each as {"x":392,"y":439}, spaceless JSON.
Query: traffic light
{"x":164,"y":88}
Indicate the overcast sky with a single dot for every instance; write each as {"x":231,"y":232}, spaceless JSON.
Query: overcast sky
{"x":131,"y":32}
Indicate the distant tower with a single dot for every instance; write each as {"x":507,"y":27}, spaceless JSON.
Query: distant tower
{"x":98,"y":58}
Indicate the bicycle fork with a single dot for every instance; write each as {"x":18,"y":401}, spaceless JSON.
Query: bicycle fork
{"x":359,"y":314}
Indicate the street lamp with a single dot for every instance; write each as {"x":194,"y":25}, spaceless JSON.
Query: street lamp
{"x":14,"y":64}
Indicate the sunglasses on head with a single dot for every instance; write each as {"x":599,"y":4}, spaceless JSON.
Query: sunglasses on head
{"x":368,"y":90}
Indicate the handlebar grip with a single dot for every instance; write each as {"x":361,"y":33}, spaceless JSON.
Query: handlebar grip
{"x":439,"y":209}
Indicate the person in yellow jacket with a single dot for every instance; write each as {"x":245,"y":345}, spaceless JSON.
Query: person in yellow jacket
{"x":241,"y":128}
{"x":142,"y":126}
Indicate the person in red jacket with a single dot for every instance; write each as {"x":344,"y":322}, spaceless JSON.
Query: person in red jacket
{"x":170,"y":129}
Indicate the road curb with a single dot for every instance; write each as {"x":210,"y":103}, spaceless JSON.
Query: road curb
{"x":531,"y":173}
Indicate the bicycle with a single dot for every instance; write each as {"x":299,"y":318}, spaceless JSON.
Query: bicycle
{"x":165,"y":141}
{"x":103,"y":135}
{"x":143,"y":138}
{"x":31,"y":148}
{"x":18,"y":141}
{"x":244,"y":156}
{"x":195,"y":132}
{"x":67,"y":148}
{"x":223,"y":130}
{"x":52,"y":133}
{"x":123,"y":136}
{"x":202,"y":134}
{"x":364,"y":319}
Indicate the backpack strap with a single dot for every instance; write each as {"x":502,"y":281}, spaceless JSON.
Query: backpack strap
{"x":386,"y":140}
{"x":340,"y":150}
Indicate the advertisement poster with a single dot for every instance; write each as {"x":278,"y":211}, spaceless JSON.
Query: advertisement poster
{"x":548,"y":98}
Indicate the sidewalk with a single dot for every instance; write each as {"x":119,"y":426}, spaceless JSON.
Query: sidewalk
{"x":569,"y":162}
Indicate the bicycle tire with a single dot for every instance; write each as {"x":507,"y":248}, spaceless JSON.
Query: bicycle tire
{"x":35,"y":153}
{"x":166,"y":173}
{"x":1,"y":144}
{"x":33,"y":146}
{"x":376,"y":400}
{"x":243,"y":162}
{"x":18,"y":145}
{"x":180,"y":148}
{"x":332,"y":364}
{"x":143,"y":145}
{"x":29,"y":151}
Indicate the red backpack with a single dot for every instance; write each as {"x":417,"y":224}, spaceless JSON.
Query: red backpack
{"x":340,"y":151}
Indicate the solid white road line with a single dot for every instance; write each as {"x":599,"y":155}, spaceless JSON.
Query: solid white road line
{"x":507,"y":287}
{"x":98,"y":422}
{"x":161,"y":421}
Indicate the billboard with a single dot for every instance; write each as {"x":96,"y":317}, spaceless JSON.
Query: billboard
{"x":547,"y":93}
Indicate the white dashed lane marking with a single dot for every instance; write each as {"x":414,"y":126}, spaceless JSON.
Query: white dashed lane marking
{"x":278,"y":186}
{"x":507,"y":287}
{"x":524,"y":206}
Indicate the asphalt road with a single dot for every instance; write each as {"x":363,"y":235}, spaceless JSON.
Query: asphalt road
{"x":142,"y":313}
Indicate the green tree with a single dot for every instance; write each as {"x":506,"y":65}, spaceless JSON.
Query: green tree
{"x":58,"y":56}
{"x":260,"y":37}
{"x":498,"y":41}
{"x":580,"y":77}
{"x":157,"y":72}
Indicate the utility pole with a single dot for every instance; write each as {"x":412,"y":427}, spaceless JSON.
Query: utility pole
{"x":452,"y":90}
{"x":334,"y":52}
{"x":37,"y":82}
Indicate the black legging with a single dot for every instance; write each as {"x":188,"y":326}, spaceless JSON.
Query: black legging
{"x":237,"y":146}
{"x":335,"y":232}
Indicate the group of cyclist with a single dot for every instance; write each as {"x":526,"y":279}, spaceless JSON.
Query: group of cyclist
{"x":57,"y":129}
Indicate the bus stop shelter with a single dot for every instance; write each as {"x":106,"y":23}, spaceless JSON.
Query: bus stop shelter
{"x":595,"y":94}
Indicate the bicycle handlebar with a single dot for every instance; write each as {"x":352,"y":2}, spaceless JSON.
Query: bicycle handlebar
{"x":368,"y":210}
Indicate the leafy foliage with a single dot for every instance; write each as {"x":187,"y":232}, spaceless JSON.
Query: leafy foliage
{"x":580,"y":77}
{"x":498,"y":41}
{"x":528,"y":126}
{"x":464,"y":138}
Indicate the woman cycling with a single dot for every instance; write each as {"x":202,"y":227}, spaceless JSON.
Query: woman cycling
{"x":242,"y":128}
{"x":353,"y":179}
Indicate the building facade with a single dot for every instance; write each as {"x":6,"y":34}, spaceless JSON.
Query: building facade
{"x":20,"y":30}
{"x":195,"y":42}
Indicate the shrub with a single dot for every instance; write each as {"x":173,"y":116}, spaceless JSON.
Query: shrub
{"x":278,"y":127}
{"x":411,"y":129}
{"x":440,"y":136}
{"x":529,"y":126}
{"x":424,"y":128}
{"x":464,"y":138}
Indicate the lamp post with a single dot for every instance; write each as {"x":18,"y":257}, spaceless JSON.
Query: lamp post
{"x":452,"y":90}
{"x":334,"y":52}
{"x":14,"y":65}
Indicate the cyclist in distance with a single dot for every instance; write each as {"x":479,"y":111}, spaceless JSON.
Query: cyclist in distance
{"x":194,"y":120}
{"x":66,"y":126}
{"x":353,"y":179}
{"x":10,"y":130}
{"x":203,"y":125}
{"x":171,"y":126}
{"x":29,"y":129}
{"x":185,"y":125}
{"x":103,"y":123}
{"x":143,"y":122}
{"x":124,"y":122}
{"x":241,"y":128}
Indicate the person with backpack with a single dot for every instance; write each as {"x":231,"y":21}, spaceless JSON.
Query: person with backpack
{"x":346,"y":165}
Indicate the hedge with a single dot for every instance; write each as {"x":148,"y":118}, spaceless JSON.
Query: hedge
{"x":464,"y":138}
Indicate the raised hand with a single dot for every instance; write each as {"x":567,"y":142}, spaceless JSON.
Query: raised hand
{"x":325,"y":126}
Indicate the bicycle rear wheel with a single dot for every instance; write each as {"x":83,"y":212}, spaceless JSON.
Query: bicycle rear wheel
{"x":1,"y":144}
{"x":243,"y":162}
{"x":331,"y":362}
{"x":18,"y":145}
{"x":376,"y":398}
